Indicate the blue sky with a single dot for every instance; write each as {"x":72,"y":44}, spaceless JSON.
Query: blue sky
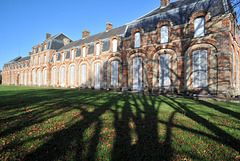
{"x":24,"y":23}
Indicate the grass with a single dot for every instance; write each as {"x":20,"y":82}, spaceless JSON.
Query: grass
{"x":57,"y":124}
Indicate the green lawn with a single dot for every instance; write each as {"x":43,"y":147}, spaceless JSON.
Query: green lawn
{"x":57,"y":124}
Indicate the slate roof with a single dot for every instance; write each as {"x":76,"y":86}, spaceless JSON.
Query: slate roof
{"x":54,"y":43}
{"x":103,"y":36}
{"x":179,"y":13}
{"x":17,"y":60}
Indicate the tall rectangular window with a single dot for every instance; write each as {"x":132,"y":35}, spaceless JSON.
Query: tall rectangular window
{"x":114,"y":73}
{"x":97,"y":76}
{"x":199,"y":27}
{"x":137,"y":40}
{"x":45,"y":76}
{"x":164,"y":34}
{"x":200,"y":68}
{"x":63,"y":57}
{"x":25,"y":79}
{"x":54,"y":77}
{"x":84,"y":52}
{"x":29,"y":78}
{"x":232,"y":70}
{"x":84,"y":73}
{"x":238,"y":71}
{"x":72,"y":54}
{"x":98,"y":49}
{"x":72,"y":75}
{"x":114,"y":45}
{"x":164,"y":70}
{"x":45,"y":59}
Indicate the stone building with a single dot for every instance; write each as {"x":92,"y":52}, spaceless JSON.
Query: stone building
{"x":185,"y":46}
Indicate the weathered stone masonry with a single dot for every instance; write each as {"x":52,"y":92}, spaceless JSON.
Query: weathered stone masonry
{"x":185,"y":46}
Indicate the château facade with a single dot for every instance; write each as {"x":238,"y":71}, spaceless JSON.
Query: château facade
{"x":188,"y":45}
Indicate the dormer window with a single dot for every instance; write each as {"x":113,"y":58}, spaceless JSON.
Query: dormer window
{"x":72,"y":54}
{"x":39,"y":49}
{"x":98,"y":49}
{"x":84,"y":52}
{"x":63,"y":57}
{"x":45,"y":47}
{"x":137,"y":40}
{"x":54,"y":58}
{"x":114,"y":45}
{"x":199,"y":27}
{"x":164,"y":34}
{"x":34,"y":50}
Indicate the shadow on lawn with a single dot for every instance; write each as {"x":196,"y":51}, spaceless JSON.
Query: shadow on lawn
{"x":133,"y":114}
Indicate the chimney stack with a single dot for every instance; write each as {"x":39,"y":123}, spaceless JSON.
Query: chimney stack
{"x":85,"y":34}
{"x":109,"y":26}
{"x":164,"y":3}
{"x":30,"y":53}
{"x":48,"y":36}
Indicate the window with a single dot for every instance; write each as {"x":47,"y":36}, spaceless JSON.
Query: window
{"x":84,"y":72}
{"x":62,"y":78}
{"x":164,"y":70}
{"x":114,"y":73}
{"x":72,"y":74}
{"x":72,"y":54}
{"x":137,"y":40}
{"x":29,"y":78}
{"x":54,"y":76}
{"x":97,"y":76}
{"x":63,"y":57}
{"x":84,"y":52}
{"x":45,"y":47}
{"x":98,"y":49}
{"x":54,"y":58}
{"x":164,"y":34}
{"x":232,"y":70}
{"x":39,"y":78}
{"x":21,"y":78}
{"x":25,"y":79}
{"x":200,"y":68}
{"x":34,"y":77}
{"x":39,"y":49}
{"x":238,"y":71}
{"x":45,"y":76}
{"x":114,"y":45}
{"x":199,"y":27}
{"x":137,"y":73}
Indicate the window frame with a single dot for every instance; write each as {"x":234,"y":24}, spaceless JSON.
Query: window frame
{"x":198,"y":29}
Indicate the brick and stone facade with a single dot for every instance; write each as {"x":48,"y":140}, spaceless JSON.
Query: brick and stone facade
{"x":99,"y":60}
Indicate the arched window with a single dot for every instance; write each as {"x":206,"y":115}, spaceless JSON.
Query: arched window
{"x":137,"y":73}
{"x":39,"y":78}
{"x":114,"y":73}
{"x":54,"y":76}
{"x":62,"y":76}
{"x":114,"y":45}
{"x":137,"y":40}
{"x":164,"y":34}
{"x":29,"y":78}
{"x":25,"y":79}
{"x":232,"y":70}
{"x":83,"y":75}
{"x":34,"y":77}
{"x":200,"y":68}
{"x":72,"y":75}
{"x":164,"y":70}
{"x":97,"y":76}
{"x":199,"y":27}
{"x":45,"y":76}
{"x":238,"y":70}
{"x":98,"y":49}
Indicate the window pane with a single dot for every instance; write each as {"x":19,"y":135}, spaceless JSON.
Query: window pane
{"x":98,"y":49}
{"x":84,"y":52}
{"x":114,"y":73}
{"x":164,"y":70}
{"x":199,"y":27}
{"x":137,"y":40}
{"x":114,"y":45}
{"x":164,"y":34}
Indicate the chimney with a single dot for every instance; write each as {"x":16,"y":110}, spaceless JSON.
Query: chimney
{"x":48,"y":35}
{"x":109,"y":26}
{"x":85,"y":34}
{"x":164,"y":3}
{"x":30,"y":53}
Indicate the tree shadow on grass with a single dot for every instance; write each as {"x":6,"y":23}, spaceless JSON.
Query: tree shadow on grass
{"x":221,"y":135}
